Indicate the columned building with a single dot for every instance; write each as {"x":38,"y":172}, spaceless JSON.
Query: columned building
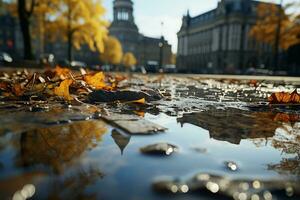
{"x":145,"y":49}
{"x":218,"y":41}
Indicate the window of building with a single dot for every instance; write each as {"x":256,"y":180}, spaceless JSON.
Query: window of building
{"x":123,"y":15}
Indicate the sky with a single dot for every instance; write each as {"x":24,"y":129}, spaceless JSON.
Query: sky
{"x":150,"y":13}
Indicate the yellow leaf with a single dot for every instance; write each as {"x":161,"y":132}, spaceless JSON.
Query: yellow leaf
{"x":63,"y":73}
{"x":63,"y":89}
{"x":139,"y":101}
{"x":97,"y":81}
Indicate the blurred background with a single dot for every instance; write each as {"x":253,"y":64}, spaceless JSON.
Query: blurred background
{"x":171,"y":36}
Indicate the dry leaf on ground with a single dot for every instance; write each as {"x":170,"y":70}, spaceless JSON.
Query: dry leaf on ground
{"x":284,"y":98}
{"x":63,"y":89}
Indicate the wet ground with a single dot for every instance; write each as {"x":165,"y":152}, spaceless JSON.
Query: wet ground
{"x":220,"y":140}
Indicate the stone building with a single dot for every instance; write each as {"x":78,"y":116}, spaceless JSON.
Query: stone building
{"x":145,"y":49}
{"x":218,"y":41}
{"x":10,"y":35}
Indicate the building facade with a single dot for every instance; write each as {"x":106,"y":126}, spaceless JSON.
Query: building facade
{"x":145,"y":49}
{"x":10,"y":35}
{"x":218,"y":41}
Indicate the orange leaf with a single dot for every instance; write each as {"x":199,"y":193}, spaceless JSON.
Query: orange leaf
{"x":18,"y":90}
{"x":97,"y":81}
{"x":284,"y":98}
{"x":139,"y":101}
{"x":295,"y":97}
{"x":140,"y":113}
{"x":63,"y":89}
{"x":63,"y":73}
{"x":3,"y":86}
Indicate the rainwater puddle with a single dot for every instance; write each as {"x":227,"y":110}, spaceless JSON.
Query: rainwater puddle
{"x":216,"y":145}
{"x":90,"y":159}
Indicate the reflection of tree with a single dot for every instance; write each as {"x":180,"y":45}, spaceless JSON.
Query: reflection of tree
{"x":233,"y":125}
{"x":287,"y":140}
{"x":74,"y":186}
{"x":58,"y":146}
{"x":12,"y":184}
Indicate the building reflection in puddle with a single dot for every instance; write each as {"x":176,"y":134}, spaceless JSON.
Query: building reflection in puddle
{"x":277,"y":130}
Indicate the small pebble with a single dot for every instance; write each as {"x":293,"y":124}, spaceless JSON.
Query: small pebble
{"x":163,"y":149}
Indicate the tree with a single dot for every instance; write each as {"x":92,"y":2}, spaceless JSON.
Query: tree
{"x":129,"y":60}
{"x":81,"y":22}
{"x":267,"y":24}
{"x":173,"y":58}
{"x":113,"y":52}
{"x":76,"y":21}
{"x":275,"y":27}
{"x":25,"y":13}
{"x":33,"y":16}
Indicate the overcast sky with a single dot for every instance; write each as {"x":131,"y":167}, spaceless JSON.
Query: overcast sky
{"x":150,"y":13}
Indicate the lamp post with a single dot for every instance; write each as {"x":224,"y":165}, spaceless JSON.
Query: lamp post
{"x":161,"y":52}
{"x":161,"y":47}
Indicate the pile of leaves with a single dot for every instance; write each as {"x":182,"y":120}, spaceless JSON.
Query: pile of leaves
{"x":59,"y":83}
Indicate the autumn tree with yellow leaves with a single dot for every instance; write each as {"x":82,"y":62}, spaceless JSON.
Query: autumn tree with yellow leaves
{"x":81,"y":22}
{"x":275,"y":27}
{"x":113,"y":52}
{"x":77,"y":22}
{"x":129,"y":60}
{"x":267,"y":25}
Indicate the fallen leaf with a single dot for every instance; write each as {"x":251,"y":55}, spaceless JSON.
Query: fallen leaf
{"x":63,"y":73}
{"x":295,"y":97}
{"x":253,"y":83}
{"x":139,"y":101}
{"x":284,"y":98}
{"x":3,"y":86}
{"x":140,"y":113}
{"x":18,"y":89}
{"x":63,"y":89}
{"x":97,"y":81}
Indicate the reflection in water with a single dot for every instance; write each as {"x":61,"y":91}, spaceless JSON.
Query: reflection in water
{"x":287,"y":140}
{"x":233,"y":125}
{"x":226,"y":188}
{"x":75,"y":185}
{"x":25,"y":193}
{"x":58,"y":146}
{"x":13,"y":186}
{"x":121,"y":140}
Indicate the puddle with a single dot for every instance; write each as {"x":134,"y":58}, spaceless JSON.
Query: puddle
{"x":66,"y":152}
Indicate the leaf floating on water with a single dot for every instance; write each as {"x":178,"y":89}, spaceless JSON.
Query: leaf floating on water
{"x":63,"y":89}
{"x":284,"y":98}
{"x":163,"y":149}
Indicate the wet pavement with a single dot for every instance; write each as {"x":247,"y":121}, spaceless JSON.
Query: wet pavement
{"x":217,"y":139}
